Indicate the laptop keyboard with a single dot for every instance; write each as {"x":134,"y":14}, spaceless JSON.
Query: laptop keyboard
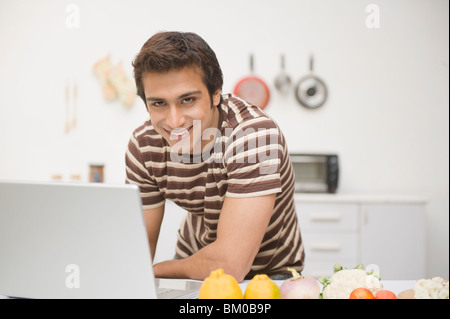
{"x":168,"y":293}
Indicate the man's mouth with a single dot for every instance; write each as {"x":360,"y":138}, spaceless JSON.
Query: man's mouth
{"x":178,"y":133}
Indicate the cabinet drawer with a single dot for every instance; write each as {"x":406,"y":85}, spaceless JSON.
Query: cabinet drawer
{"x":334,"y":248}
{"x":328,"y":217}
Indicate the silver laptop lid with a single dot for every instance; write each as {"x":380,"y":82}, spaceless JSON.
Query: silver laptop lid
{"x":73,"y":241}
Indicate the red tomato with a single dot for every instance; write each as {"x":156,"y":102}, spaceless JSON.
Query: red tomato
{"x":361,"y":293}
{"x":385,"y":294}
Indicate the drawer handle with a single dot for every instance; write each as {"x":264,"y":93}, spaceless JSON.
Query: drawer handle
{"x":325,"y":247}
{"x":325,"y":217}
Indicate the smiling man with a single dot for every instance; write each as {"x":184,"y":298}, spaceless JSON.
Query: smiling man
{"x":218,"y":157}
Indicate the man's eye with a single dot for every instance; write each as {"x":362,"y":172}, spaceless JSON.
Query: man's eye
{"x":157,"y":104}
{"x":188,"y":100}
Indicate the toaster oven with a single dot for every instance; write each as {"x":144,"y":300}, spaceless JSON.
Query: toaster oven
{"x":315,"y":173}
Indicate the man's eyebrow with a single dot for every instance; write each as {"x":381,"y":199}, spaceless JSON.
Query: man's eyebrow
{"x":154,"y":99}
{"x":182,"y":96}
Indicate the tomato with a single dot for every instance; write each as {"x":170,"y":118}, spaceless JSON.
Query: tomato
{"x":385,"y":294}
{"x":361,"y":293}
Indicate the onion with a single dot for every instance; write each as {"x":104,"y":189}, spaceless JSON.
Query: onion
{"x":299,"y":287}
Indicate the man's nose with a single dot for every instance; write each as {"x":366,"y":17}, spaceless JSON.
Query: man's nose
{"x":175,"y":117}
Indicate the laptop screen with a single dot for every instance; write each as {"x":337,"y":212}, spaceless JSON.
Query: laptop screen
{"x":73,"y":241}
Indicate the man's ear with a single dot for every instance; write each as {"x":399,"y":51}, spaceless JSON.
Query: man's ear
{"x":216,"y":97}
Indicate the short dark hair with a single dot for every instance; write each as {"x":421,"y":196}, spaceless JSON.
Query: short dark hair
{"x":166,"y":51}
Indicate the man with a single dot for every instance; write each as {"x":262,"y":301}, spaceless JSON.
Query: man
{"x":220,"y":158}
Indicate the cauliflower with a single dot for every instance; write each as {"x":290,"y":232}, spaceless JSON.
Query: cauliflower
{"x":435,"y":288}
{"x":344,"y":281}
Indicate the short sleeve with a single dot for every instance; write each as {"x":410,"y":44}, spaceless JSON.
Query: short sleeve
{"x":252,"y":158}
{"x":138,"y":174}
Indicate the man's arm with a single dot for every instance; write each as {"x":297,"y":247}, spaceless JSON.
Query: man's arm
{"x":241,"y":228}
{"x":153,"y":219}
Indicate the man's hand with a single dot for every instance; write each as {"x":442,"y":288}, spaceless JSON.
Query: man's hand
{"x":241,"y":228}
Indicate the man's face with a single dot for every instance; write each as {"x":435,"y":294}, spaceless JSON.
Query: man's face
{"x":176,"y":100}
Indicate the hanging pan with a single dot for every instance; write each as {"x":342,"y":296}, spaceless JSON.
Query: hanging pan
{"x":311,"y":91}
{"x":253,"y":89}
{"x":283,"y":81}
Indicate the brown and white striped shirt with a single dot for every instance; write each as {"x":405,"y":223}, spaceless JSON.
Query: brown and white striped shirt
{"x":248,"y":158}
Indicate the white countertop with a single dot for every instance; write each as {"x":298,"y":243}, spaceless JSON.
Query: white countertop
{"x":396,"y":286}
{"x":359,"y":198}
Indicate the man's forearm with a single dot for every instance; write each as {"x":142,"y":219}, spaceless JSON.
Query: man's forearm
{"x":171,"y":269}
{"x":199,"y":265}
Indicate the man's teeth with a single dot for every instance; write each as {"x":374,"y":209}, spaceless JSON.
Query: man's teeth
{"x":178,"y":133}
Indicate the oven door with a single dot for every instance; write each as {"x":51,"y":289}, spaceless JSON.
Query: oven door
{"x":310,"y":173}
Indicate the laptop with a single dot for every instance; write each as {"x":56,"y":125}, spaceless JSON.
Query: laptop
{"x":76,"y":240}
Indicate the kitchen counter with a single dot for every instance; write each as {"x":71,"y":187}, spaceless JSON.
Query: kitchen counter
{"x":396,"y":286}
{"x":359,"y":198}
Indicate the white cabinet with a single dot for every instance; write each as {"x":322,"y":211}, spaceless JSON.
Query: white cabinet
{"x":393,"y":237}
{"x":385,"y":232}
{"x":330,"y":233}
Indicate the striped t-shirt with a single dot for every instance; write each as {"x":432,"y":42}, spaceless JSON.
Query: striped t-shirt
{"x":248,"y":158}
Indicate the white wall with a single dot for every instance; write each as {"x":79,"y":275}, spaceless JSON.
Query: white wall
{"x":387,"y":113}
